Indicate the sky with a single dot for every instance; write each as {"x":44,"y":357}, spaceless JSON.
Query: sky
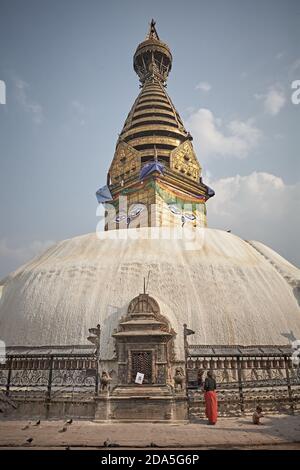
{"x":67,"y":67}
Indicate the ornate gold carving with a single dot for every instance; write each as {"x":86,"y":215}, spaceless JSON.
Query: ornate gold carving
{"x":126,"y":163}
{"x":184,"y":161}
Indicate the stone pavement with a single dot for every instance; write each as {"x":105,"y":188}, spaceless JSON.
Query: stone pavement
{"x":279,"y":431}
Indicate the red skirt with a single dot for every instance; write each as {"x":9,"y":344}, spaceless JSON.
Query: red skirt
{"x":211,"y":407}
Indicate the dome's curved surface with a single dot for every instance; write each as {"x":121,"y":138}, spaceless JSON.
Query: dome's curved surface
{"x":227,"y":290}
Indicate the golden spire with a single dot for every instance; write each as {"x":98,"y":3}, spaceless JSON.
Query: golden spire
{"x":154,"y":137}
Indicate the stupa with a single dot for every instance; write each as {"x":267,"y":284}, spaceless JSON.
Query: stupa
{"x":155,"y":267}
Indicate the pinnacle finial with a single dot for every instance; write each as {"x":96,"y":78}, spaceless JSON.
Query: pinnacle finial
{"x":152,"y":31}
{"x":152,"y":59}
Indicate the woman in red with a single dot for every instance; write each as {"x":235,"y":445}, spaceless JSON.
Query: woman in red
{"x":211,"y":402}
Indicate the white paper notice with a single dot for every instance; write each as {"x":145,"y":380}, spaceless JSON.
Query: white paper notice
{"x":139,"y":378}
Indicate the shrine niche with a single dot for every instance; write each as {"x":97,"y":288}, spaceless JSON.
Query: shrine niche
{"x":144,"y":347}
{"x":144,"y":344}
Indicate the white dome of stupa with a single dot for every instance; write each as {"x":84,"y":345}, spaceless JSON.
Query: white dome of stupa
{"x":227,"y":290}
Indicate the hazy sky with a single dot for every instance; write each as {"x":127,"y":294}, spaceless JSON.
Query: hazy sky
{"x":67,"y":65}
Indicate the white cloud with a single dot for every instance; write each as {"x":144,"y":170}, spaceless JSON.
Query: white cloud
{"x":30,"y":106}
{"x":203,"y":86}
{"x":273,"y":100}
{"x":259,"y":206}
{"x":234,"y":139}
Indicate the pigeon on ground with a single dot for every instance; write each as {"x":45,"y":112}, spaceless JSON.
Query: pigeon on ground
{"x":29,"y":440}
{"x":26,"y":427}
{"x":63,"y":429}
{"x":37,"y":423}
{"x":69,"y":421}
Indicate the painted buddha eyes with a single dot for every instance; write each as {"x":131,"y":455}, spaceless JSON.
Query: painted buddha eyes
{"x":134,"y":212}
{"x":184,"y":215}
{"x":121,"y":217}
{"x":137,"y":209}
{"x":174,"y":209}
{"x":190,"y":216}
